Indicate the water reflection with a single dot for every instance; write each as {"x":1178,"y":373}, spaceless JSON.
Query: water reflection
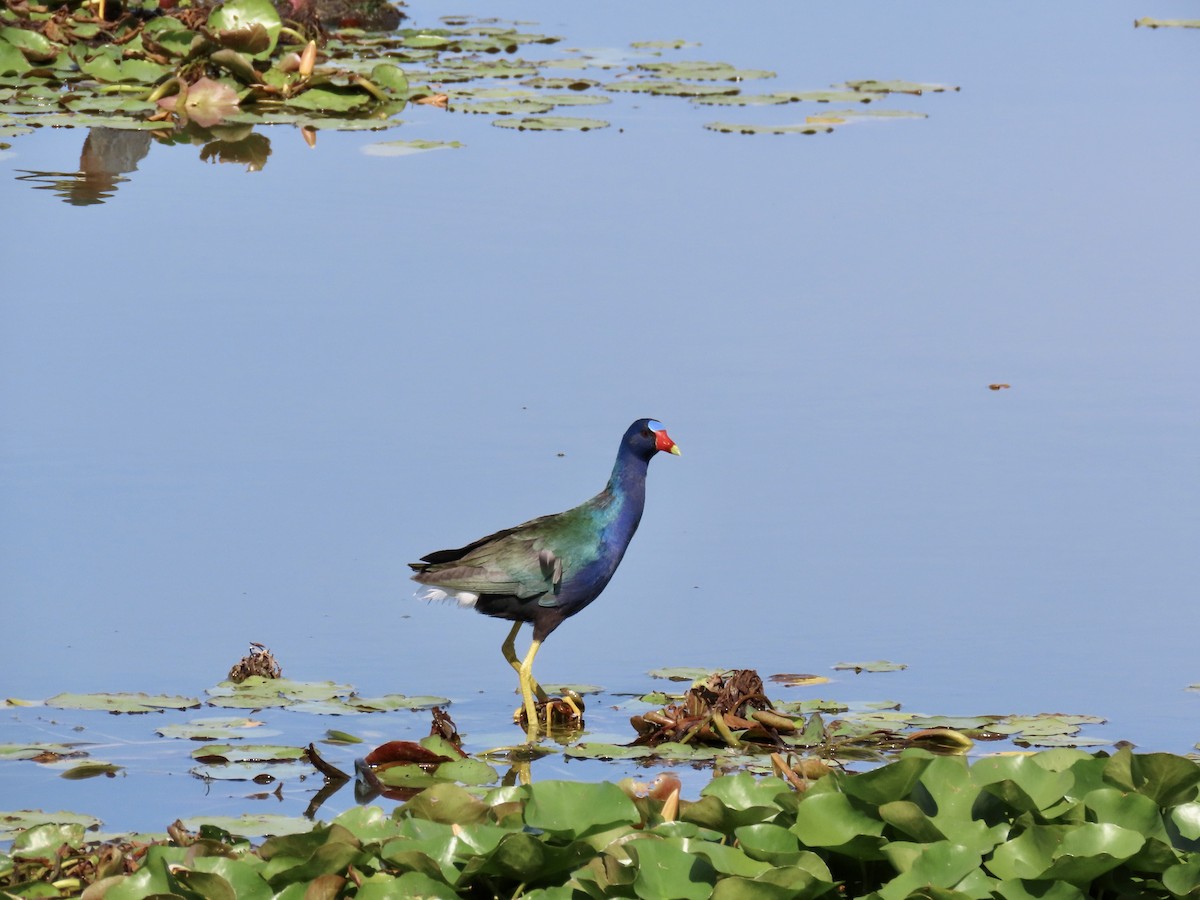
{"x":109,"y":154}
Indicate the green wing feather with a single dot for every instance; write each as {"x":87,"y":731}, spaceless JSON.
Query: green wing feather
{"x":529,"y":560}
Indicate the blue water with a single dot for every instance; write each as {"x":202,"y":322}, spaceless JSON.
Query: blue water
{"x":237,"y":403}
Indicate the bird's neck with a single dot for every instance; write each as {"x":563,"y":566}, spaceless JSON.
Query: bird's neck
{"x":627,"y":487}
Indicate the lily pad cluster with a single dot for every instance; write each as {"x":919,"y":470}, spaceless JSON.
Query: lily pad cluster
{"x":207,"y":66}
{"x":241,"y":64}
{"x":1059,"y":824}
{"x":724,"y":719}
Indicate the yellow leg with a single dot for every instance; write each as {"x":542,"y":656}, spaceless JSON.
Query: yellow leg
{"x":525,"y":677}
{"x":509,"y":649}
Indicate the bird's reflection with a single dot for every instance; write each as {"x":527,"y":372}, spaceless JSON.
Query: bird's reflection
{"x":110,"y":154}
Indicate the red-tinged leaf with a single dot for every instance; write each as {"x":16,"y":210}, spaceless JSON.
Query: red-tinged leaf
{"x":404,"y":752}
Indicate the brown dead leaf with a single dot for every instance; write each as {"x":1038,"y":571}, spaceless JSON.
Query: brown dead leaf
{"x":441,"y":101}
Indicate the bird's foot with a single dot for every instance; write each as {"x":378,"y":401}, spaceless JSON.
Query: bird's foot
{"x":558,"y":714}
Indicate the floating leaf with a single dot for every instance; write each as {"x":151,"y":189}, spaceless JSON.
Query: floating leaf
{"x":249,"y":25}
{"x":551,"y":123}
{"x":592,"y":750}
{"x":669,"y":88}
{"x":213,"y":729}
{"x":43,"y":753}
{"x":90,"y":770}
{"x":121,"y":703}
{"x":236,"y":753}
{"x":703,"y":71}
{"x":677,"y":44}
{"x":252,"y":825}
{"x":682,"y":673}
{"x":12,"y":60}
{"x":817,"y":127}
{"x":407,"y":148}
{"x":13,"y":822}
{"x":1147,"y":22}
{"x":879,"y":665}
{"x":899,"y":87}
{"x":798,"y":680}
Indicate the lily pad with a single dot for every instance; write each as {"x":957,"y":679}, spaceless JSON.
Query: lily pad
{"x":878,"y":665}
{"x":520,"y":106}
{"x":1147,"y":22}
{"x":551,"y":123}
{"x":899,"y":87}
{"x":669,"y":88}
{"x":816,"y":127}
{"x":682,"y":673}
{"x":239,"y":23}
{"x":677,"y":44}
{"x":213,"y":729}
{"x":43,"y":753}
{"x":15,"y":821}
{"x":592,"y":750}
{"x":238,"y":753}
{"x":407,"y":148}
{"x":90,"y":769}
{"x":704,"y":71}
{"x":121,"y":703}
{"x":258,"y":772}
{"x":251,"y":825}
{"x":777,"y":98}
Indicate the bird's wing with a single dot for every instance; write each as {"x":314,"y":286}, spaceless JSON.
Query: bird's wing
{"x":516,"y":561}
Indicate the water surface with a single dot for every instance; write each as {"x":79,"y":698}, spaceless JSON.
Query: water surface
{"x":236,"y":404}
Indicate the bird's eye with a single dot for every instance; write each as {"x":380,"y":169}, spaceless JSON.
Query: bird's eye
{"x":646,"y":432}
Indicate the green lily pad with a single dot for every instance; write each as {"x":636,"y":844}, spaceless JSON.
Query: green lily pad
{"x":330,"y":99}
{"x":248,"y":25}
{"x":683,"y":673}
{"x":704,"y":71}
{"x":393,"y":702}
{"x":519,"y":106}
{"x":582,"y":690}
{"x":899,"y":87}
{"x":252,"y":825}
{"x":213,"y":729}
{"x":560,"y":84}
{"x":35,"y":45}
{"x":576,"y":99}
{"x":12,"y":60}
{"x":593,"y":750}
{"x":777,"y":98}
{"x":257,"y":691}
{"x":106,"y":68}
{"x":121,"y":703}
{"x":258,"y":772}
{"x":669,"y":88}
{"x":15,"y":821}
{"x":238,"y":753}
{"x":90,"y":769}
{"x":47,"y":752}
{"x":551,"y":123}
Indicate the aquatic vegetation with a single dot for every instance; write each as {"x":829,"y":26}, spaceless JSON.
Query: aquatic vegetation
{"x":1060,"y":823}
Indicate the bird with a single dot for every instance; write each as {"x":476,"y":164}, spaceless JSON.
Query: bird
{"x":546,"y":570}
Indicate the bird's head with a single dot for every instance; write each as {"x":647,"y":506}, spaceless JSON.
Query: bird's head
{"x":646,"y":437}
